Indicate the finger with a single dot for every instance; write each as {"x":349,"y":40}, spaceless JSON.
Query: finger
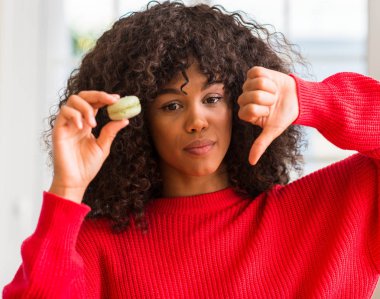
{"x":84,"y":108}
{"x":258,"y":71}
{"x":97,"y":98}
{"x":262,"y":143}
{"x":257,"y":97}
{"x":251,"y":112}
{"x":260,"y":83}
{"x":108,"y":134}
{"x":68,"y":114}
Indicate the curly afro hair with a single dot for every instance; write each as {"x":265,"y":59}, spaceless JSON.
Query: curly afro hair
{"x":142,"y":52}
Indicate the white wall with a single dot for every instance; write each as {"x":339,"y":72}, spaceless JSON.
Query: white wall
{"x":374,"y":39}
{"x":20,"y":162}
{"x":31,"y":45}
{"x":374,"y":57}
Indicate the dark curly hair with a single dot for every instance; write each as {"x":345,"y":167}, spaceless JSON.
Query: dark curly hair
{"x":142,"y":52}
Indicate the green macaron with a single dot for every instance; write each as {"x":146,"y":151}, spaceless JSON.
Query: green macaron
{"x":126,"y":107}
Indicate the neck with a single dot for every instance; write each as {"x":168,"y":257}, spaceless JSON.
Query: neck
{"x":176,"y":184}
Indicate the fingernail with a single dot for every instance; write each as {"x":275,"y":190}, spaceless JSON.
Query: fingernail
{"x":116,"y":96}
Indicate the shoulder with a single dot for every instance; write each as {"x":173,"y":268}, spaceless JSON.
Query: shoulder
{"x":95,"y":227}
{"x":344,"y":192}
{"x":93,"y":234}
{"x":355,"y":175}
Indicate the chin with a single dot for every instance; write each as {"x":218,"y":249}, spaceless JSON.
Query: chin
{"x":203,"y":171}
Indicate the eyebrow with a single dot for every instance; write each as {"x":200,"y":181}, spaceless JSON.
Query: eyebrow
{"x":179,"y":92}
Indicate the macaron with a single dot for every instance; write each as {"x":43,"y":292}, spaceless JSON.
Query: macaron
{"x":125,"y":107}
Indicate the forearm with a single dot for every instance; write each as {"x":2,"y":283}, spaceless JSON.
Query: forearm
{"x":51,"y":267}
{"x":345,"y":108}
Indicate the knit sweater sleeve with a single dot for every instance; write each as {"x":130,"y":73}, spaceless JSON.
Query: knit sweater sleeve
{"x":345,"y":109}
{"x":51,"y":267}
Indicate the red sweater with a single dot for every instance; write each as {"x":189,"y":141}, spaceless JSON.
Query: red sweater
{"x":318,"y":237}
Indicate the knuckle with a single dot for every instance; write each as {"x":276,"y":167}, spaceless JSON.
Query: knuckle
{"x":248,"y":113}
{"x":253,"y":110}
{"x":256,"y":95}
{"x":82,"y":93}
{"x":261,"y":83}
{"x":239,"y":100}
{"x":110,"y":134}
{"x":260,"y":143}
{"x":74,"y":100}
{"x":247,"y":85}
{"x":244,"y":87}
{"x":241,"y":114}
{"x":244,"y":114}
{"x":251,"y":73}
{"x":66,"y":110}
{"x":259,"y":70}
{"x":69,"y":100}
{"x":255,"y":71}
{"x":244,"y":99}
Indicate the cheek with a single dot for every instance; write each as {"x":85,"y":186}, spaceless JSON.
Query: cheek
{"x":163,"y":135}
{"x":226,"y":125}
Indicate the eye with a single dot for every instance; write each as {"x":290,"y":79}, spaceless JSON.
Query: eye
{"x":171,"y":107}
{"x":212,"y":99}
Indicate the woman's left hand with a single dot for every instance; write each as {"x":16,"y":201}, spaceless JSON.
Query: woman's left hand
{"x":269,"y":100}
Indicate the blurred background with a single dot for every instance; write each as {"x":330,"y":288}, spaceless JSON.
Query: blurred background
{"x":42,"y":41}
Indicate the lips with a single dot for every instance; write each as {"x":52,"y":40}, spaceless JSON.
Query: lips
{"x":200,"y":146}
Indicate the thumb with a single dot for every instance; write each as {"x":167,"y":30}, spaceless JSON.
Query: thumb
{"x":109,"y":132}
{"x":261,"y":143}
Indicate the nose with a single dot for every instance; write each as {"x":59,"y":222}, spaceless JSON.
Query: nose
{"x":196,"y":121}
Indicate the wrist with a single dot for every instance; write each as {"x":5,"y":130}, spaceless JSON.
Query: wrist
{"x":74,"y":194}
{"x":292,"y":96}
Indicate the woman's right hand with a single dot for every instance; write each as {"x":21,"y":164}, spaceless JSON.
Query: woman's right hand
{"x":77,"y":154}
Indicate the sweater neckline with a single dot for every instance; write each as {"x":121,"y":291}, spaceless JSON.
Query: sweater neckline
{"x":202,"y":203}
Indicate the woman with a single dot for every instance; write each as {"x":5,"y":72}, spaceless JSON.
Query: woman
{"x":190,"y":198}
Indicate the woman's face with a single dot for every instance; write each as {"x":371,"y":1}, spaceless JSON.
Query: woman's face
{"x":191,"y":129}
